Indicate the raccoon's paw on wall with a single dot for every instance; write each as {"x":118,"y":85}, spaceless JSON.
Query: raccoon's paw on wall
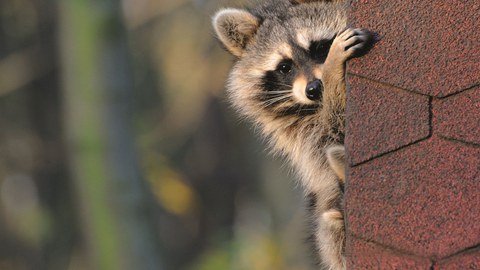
{"x":349,"y":44}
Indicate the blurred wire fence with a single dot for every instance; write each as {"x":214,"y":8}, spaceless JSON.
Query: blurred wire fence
{"x":118,"y":149}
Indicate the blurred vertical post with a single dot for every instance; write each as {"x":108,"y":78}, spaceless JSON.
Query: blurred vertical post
{"x":115,"y":207}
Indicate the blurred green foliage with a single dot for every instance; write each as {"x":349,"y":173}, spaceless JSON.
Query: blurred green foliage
{"x":213,"y":198}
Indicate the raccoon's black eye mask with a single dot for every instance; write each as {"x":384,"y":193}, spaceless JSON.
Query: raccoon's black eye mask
{"x":319,"y":49}
{"x":281,"y":78}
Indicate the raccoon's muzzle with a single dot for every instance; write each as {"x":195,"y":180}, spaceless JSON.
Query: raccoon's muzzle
{"x":314,"y":90}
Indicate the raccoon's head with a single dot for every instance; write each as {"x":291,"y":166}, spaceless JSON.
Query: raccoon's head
{"x":280,"y":47}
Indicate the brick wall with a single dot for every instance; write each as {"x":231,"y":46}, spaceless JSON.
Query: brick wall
{"x":413,"y":137}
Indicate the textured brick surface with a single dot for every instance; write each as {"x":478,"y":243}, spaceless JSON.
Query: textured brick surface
{"x":413,"y":189}
{"x":424,"y":199}
{"x":468,"y":260}
{"x":458,"y":116}
{"x":363,"y":255}
{"x":428,"y":46}
{"x":383,"y":118}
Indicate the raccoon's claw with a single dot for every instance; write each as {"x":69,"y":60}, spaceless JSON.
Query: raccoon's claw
{"x":351,"y":43}
{"x":357,"y":42}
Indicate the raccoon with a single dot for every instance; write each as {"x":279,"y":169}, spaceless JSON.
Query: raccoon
{"x":289,"y":80}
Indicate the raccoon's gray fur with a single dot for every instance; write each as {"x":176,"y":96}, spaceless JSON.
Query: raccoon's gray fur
{"x":289,"y":79}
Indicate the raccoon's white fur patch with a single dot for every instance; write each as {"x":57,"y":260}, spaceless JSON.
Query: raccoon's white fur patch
{"x":318,"y":72}
{"x":284,"y":51}
{"x":272,"y":62}
{"x":298,"y":90}
{"x":305,"y":37}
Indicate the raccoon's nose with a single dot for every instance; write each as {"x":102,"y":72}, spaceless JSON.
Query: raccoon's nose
{"x":314,"y":90}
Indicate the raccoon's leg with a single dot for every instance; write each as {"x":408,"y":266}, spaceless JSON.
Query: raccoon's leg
{"x":348,"y":44}
{"x":336,"y":160}
{"x":328,"y":228}
{"x":332,"y":239}
{"x":331,"y":228}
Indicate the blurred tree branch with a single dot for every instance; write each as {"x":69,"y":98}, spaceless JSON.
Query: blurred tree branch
{"x":114,"y":204}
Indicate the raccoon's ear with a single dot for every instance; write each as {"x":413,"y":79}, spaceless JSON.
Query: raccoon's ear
{"x":235,"y":28}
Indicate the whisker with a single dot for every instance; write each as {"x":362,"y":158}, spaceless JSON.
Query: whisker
{"x":273,"y":94}
{"x":278,"y":92}
{"x":275,"y":100}
{"x":307,"y":110}
{"x":280,"y":84}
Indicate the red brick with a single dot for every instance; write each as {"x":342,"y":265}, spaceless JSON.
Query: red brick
{"x":422,"y":199}
{"x":427,"y":46}
{"x":363,"y":255}
{"x":382,"y":118}
{"x":458,"y":116}
{"x":468,"y":260}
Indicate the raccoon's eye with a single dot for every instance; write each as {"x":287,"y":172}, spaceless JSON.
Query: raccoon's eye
{"x":284,"y":67}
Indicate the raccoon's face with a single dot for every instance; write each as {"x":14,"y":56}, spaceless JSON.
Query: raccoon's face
{"x":280,"y":56}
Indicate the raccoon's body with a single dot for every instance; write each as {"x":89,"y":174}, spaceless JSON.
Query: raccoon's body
{"x":289,"y":79}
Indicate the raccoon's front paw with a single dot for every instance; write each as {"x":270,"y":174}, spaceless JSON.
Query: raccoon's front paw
{"x":349,"y":44}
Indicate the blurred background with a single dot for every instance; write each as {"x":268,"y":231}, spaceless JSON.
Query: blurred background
{"x":118,"y":149}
